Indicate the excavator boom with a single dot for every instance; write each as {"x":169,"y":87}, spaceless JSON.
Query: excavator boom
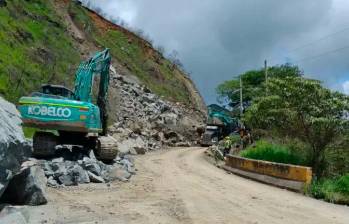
{"x":97,"y":65}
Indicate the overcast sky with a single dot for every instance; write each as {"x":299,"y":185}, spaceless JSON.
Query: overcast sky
{"x":219,"y":39}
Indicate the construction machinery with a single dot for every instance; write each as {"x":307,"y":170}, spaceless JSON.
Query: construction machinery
{"x":220,"y":124}
{"x":65,"y":117}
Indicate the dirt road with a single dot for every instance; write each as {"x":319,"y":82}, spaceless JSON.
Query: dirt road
{"x":181,"y":186}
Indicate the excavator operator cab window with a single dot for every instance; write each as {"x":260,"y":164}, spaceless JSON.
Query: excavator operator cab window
{"x":55,"y":90}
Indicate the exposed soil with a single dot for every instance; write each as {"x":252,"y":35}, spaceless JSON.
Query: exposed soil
{"x":181,"y":186}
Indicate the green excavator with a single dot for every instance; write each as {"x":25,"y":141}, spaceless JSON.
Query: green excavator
{"x":220,"y":123}
{"x":65,"y":117}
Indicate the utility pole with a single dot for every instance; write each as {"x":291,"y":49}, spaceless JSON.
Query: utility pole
{"x":266,"y":75}
{"x":241,"y":104}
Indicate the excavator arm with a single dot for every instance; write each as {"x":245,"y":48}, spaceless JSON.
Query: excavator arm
{"x":97,"y":65}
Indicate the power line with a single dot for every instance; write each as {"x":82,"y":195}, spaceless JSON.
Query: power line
{"x":320,"y":39}
{"x":322,"y":54}
{"x":313,"y":42}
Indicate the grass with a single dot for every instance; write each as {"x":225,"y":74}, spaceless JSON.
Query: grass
{"x":35,"y":48}
{"x":335,"y":190}
{"x":266,"y":151}
{"x":29,"y":132}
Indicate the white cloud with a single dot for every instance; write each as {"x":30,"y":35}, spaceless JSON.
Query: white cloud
{"x":346,"y":87}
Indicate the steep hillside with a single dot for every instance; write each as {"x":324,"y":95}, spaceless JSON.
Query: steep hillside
{"x":43,"y":41}
{"x":34,"y":48}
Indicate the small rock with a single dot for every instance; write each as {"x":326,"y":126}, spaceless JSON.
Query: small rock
{"x":92,"y":155}
{"x":51,"y":182}
{"x":93,"y":167}
{"x":58,"y":169}
{"x":80,"y":175}
{"x":67,"y":180}
{"x":58,"y":160}
{"x":94,"y":178}
{"x":140,"y":150}
{"x":118,"y":173}
{"x":129,"y":158}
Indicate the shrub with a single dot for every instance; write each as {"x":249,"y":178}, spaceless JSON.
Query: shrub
{"x":273,"y":153}
{"x":343,"y":184}
{"x":334,"y":190}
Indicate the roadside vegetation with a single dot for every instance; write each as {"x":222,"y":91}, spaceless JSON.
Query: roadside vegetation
{"x":264,"y":150}
{"x":298,"y":121}
{"x":334,"y":190}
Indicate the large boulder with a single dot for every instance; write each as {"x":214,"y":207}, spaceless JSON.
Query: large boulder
{"x":14,"y":148}
{"x":27,"y":188}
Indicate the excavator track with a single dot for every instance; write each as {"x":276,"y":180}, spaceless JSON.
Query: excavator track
{"x":107,"y":148}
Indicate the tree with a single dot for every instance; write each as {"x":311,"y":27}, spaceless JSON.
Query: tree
{"x":301,"y":108}
{"x":174,"y":59}
{"x":253,"y":83}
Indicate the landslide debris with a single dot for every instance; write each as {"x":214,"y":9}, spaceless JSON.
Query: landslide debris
{"x":73,"y":166}
{"x":145,"y":121}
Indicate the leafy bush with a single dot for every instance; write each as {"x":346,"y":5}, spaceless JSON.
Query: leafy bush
{"x":273,"y":153}
{"x":343,"y":184}
{"x":303,"y":109}
{"x":334,"y":190}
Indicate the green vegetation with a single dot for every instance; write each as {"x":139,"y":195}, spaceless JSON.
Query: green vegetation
{"x":35,"y":48}
{"x":264,"y":150}
{"x":28,"y":132}
{"x":253,"y":84}
{"x":335,"y":190}
{"x":156,"y":72}
{"x":305,"y":122}
{"x":304,"y":110}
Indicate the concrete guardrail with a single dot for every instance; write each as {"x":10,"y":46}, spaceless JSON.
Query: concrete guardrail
{"x":282,"y":175}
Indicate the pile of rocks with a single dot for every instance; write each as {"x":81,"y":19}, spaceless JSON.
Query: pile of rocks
{"x":74,"y":166}
{"x":23,"y":180}
{"x":144,"y":121}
